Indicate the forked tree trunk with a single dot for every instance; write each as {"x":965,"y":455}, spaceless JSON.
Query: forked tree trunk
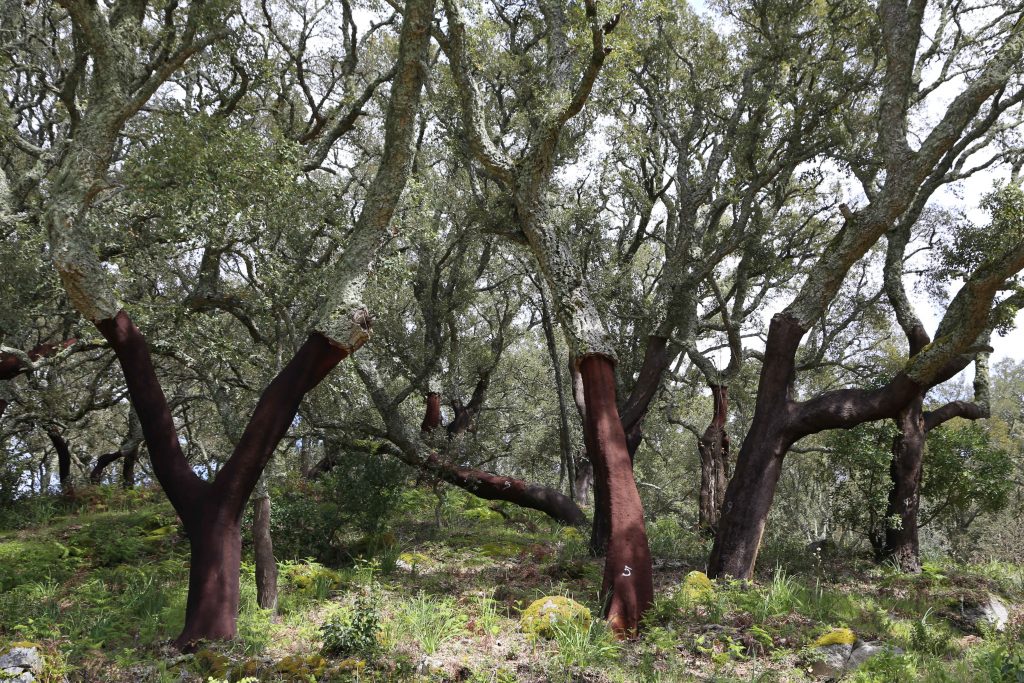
{"x":759,"y":464}
{"x":627,"y":589}
{"x":211,"y":511}
{"x":714,"y":462}
{"x":266,"y":564}
{"x":901,"y":542}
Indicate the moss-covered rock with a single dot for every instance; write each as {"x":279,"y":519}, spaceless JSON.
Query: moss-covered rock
{"x":541,"y":616}
{"x":837,"y":636}
{"x":697,"y":586}
{"x":300,"y":668}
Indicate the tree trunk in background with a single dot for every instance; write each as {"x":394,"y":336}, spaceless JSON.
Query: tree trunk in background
{"x":901,"y":543}
{"x":714,"y":462}
{"x":489,"y":486}
{"x":627,"y":589}
{"x":67,"y":488}
{"x":551,"y":502}
{"x":432,"y":416}
{"x":128,"y":468}
{"x":584,"y":481}
{"x":266,"y":564}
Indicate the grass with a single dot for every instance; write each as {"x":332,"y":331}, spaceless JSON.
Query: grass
{"x":100,"y":586}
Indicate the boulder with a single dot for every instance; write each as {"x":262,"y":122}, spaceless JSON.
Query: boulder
{"x":829,"y":661}
{"x":862,"y":652}
{"x":540,"y":617}
{"x":21,"y":665}
{"x":990,"y":612}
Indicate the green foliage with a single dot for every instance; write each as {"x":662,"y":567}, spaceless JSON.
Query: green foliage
{"x":354,"y":632}
{"x":584,"y":644}
{"x":432,"y":621}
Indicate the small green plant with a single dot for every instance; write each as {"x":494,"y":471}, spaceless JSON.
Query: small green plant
{"x":580,"y":645}
{"x":433,"y":621}
{"x":353,"y":632}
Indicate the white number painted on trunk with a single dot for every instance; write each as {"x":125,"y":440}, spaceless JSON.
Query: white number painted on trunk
{"x":627,"y":571}
{"x":508,"y":484}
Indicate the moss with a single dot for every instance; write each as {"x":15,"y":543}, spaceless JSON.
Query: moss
{"x":483,"y":515}
{"x":697,"y":586}
{"x":500,"y":550}
{"x":305,"y":577}
{"x":540,"y":617}
{"x":299,"y":668}
{"x":570,"y":533}
{"x":837,"y":636}
{"x":211,"y":663}
{"x":410,"y":560}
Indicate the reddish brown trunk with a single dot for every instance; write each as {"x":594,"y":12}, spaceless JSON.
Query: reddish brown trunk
{"x":432,"y":418}
{"x":777,"y":423}
{"x":211,"y":512}
{"x":749,"y":494}
{"x":63,"y":461}
{"x":627,"y":589}
{"x":901,"y":543}
{"x":266,"y":564}
{"x":551,"y":502}
{"x":714,"y":462}
{"x":211,"y":612}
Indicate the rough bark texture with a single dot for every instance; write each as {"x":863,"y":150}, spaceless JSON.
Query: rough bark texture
{"x":627,"y":589}
{"x":714,"y":462}
{"x":432,"y":418}
{"x":266,"y":564}
{"x":901,"y":543}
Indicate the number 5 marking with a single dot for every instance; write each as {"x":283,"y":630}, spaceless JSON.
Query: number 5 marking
{"x":627,"y":571}
{"x":508,"y":484}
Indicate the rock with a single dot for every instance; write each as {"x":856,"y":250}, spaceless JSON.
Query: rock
{"x":862,"y":652}
{"x":428,"y":664}
{"x":830,"y":660}
{"x":991,"y":612}
{"x":21,"y":665}
{"x":541,"y":616}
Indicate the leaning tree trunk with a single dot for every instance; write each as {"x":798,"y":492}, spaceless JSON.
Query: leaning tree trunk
{"x":266,"y":564}
{"x":901,"y":542}
{"x":489,"y":486}
{"x":627,"y":588}
{"x":714,"y":462}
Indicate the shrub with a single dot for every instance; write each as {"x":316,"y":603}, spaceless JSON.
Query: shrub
{"x":353,"y":632}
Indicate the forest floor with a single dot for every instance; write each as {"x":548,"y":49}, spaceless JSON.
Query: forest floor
{"x":99,"y":588}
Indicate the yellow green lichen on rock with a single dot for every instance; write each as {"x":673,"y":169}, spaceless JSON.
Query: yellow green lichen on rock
{"x":541,"y":616}
{"x":837,"y":636}
{"x":697,"y":586}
